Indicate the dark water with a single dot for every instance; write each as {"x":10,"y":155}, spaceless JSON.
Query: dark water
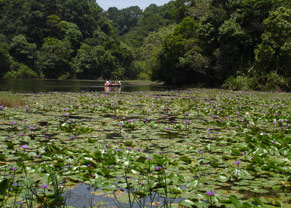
{"x":73,"y":86}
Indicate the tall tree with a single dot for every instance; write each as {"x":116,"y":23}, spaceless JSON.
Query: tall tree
{"x":274,"y":53}
{"x":22,"y":50}
{"x":53,"y":59}
{"x":5,"y":59}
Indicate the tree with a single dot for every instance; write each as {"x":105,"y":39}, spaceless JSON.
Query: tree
{"x":274,"y":53}
{"x":85,"y":14}
{"x":124,"y":19}
{"x":15,"y":17}
{"x":87,"y":63}
{"x":180,"y":60}
{"x":5,"y":59}
{"x":235,"y":51}
{"x":71,"y":33}
{"x":152,"y":44}
{"x":179,"y":9}
{"x":22,"y":50}
{"x":53,"y":59}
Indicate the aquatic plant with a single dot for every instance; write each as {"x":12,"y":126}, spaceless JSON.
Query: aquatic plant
{"x":232,"y":143}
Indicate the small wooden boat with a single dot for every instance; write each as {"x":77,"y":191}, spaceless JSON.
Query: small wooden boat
{"x":112,"y":85}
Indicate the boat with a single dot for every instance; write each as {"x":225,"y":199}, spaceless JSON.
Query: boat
{"x":112,"y":85}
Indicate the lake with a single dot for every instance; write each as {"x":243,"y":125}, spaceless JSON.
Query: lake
{"x":197,"y":141}
{"x":75,"y":86}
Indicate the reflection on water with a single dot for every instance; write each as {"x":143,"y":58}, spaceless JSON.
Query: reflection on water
{"x":87,"y":196}
{"x":72,"y":86}
{"x":82,"y":196}
{"x":112,"y":89}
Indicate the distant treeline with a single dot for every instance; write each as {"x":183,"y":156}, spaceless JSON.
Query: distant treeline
{"x":237,"y":44}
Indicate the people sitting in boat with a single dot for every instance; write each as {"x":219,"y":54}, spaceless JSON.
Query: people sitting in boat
{"x":110,"y":83}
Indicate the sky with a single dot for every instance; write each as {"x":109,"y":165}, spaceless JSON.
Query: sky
{"x":120,"y":4}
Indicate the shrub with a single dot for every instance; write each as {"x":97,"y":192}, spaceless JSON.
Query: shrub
{"x":274,"y":82}
{"x":64,"y":76}
{"x":240,"y":83}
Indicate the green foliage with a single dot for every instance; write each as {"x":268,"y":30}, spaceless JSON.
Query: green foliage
{"x":124,"y":19}
{"x":152,"y":19}
{"x":20,"y":71}
{"x":178,"y":9}
{"x":22,"y":51}
{"x":71,"y":33}
{"x":53,"y":59}
{"x":87,"y":62}
{"x":180,"y":60}
{"x":64,"y":76}
{"x":274,"y":82}
{"x":240,"y":83}
{"x":187,"y":28}
{"x":102,"y":56}
{"x":181,"y":42}
{"x":46,"y":37}
{"x":274,"y":53}
{"x":149,"y":51}
{"x":5,"y":58}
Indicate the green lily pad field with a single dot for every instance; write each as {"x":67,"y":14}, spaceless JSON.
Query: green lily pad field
{"x":204,"y":148}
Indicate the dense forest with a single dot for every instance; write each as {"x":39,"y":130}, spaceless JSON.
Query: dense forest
{"x":236,"y":44}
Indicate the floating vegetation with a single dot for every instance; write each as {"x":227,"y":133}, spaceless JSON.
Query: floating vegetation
{"x":192,"y":148}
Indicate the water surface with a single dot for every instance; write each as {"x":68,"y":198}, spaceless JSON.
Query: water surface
{"x":73,"y":86}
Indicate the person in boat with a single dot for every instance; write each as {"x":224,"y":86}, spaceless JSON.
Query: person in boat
{"x":110,"y":83}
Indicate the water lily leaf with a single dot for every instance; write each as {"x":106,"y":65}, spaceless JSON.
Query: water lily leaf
{"x":247,"y":205}
{"x":4,"y":185}
{"x":175,"y":190}
{"x":2,"y":157}
{"x":257,"y":190}
{"x":128,"y":143}
{"x":194,"y":184}
{"x":235,"y":152}
{"x":110,"y":161}
{"x":108,"y":187}
{"x":185,"y":159}
{"x":134,"y":172}
{"x":141,"y":159}
{"x":222,"y":178}
{"x":201,"y":204}
{"x":97,"y":155}
{"x":186,"y":203}
{"x":9,"y":145}
{"x":235,"y":201}
{"x":257,"y":201}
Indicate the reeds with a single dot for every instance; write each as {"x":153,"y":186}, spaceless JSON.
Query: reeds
{"x":10,"y":100}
